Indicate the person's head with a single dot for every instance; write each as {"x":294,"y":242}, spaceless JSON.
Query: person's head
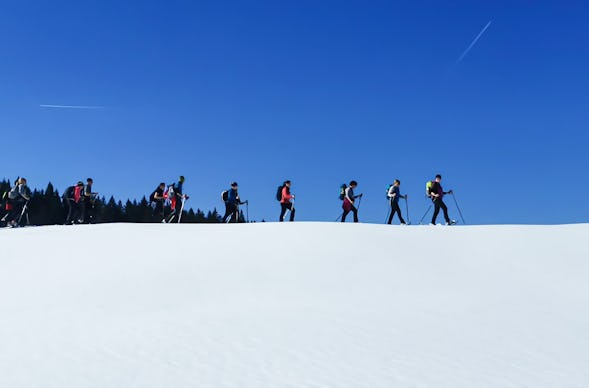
{"x":162,"y":185}
{"x":234,"y":185}
{"x":89,"y":181}
{"x":23,"y":181}
{"x":181,"y":179}
{"x":397,"y":182}
{"x":438,"y":178}
{"x":287,"y":183}
{"x":80,"y":183}
{"x":353,"y":184}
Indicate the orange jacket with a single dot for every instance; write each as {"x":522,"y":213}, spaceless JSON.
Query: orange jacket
{"x":286,"y":196}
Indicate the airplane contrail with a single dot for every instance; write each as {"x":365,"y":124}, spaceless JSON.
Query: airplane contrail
{"x":71,"y":106}
{"x":473,"y":42}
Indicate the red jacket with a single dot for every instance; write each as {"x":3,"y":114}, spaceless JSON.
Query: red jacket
{"x":286,"y":196}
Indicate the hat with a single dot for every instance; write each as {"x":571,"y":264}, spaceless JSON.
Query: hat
{"x":181,"y":179}
{"x":234,"y":184}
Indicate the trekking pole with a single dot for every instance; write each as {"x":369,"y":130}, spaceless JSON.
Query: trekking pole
{"x":458,"y":207}
{"x":22,"y":213}
{"x":359,"y":202}
{"x":181,"y":209}
{"x":427,"y":211}
{"x":247,"y":211}
{"x":407,"y":209}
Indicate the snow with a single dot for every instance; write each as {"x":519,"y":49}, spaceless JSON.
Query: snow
{"x":294,"y":305}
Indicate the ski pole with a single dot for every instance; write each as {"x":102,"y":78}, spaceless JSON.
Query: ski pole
{"x":359,"y":201}
{"x":458,"y":207}
{"x":387,"y":217}
{"x":247,"y":211}
{"x":407,"y":209}
{"x":427,"y":211}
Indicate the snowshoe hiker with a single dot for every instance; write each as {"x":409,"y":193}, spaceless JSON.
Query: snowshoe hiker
{"x":19,"y":197}
{"x":286,"y":201}
{"x":232,"y":204}
{"x":73,"y":197}
{"x":349,"y":201}
{"x":87,"y":203}
{"x":436,"y":193}
{"x":157,"y":200}
{"x":177,"y":199}
{"x":394,"y":194}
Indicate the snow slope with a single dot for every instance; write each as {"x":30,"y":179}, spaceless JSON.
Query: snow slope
{"x":294,"y":305}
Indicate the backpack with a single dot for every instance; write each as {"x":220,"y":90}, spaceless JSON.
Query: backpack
{"x":342,"y":191}
{"x":279,"y":193}
{"x":152,"y":196}
{"x":225,"y":195}
{"x":388,"y":188}
{"x":428,"y":188}
{"x":68,"y":193}
{"x":171,"y":191}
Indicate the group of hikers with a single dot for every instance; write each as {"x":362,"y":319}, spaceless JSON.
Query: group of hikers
{"x":80,"y":199}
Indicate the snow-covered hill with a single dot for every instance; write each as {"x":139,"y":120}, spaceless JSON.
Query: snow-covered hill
{"x":294,"y":305}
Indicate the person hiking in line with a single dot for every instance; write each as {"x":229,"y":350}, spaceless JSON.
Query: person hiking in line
{"x":69,"y":196}
{"x":232,"y":204}
{"x":87,"y":202}
{"x":18,"y":196}
{"x":157,"y":198}
{"x":286,"y":202}
{"x":394,"y":194}
{"x":436,"y":193}
{"x":349,"y":201}
{"x":176,"y":197}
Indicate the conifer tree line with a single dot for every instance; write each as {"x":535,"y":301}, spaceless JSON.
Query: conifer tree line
{"x":47,"y":207}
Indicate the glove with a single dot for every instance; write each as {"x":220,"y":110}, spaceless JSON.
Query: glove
{"x":451,"y":192}
{"x":360,"y":196}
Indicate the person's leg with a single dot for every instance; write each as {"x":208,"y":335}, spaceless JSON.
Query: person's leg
{"x":398,"y":210}
{"x":235,"y":213}
{"x":436,"y":210}
{"x":283,"y":207}
{"x":355,"y":213}
{"x":344,"y":215}
{"x":70,"y":211}
{"x":445,"y":209}
{"x":227,"y":212}
{"x":292,"y":212}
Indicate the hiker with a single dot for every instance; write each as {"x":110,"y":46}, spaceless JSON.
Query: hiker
{"x":157,"y":199}
{"x":18,"y":198}
{"x":177,"y":199}
{"x":87,"y":202}
{"x":232,"y":204}
{"x":73,"y":197}
{"x":436,"y":193}
{"x":349,"y":201}
{"x":394,"y":194}
{"x":286,"y":202}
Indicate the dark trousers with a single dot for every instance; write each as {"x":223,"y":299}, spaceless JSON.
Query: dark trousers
{"x":231,"y":212}
{"x":158,"y":210}
{"x":395,"y":209}
{"x":73,"y":211}
{"x":352,"y":209}
{"x":439,"y":204}
{"x":15,"y":213}
{"x":284,"y":207}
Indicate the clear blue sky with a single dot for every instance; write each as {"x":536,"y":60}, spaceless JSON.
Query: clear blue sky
{"x":319,"y":92}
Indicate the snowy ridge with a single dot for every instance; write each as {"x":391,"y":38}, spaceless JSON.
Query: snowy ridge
{"x":294,"y":305}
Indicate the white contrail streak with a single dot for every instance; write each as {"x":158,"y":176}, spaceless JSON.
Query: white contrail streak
{"x":473,"y":42}
{"x":71,"y":106}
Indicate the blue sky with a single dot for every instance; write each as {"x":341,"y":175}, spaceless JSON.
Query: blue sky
{"x":316,"y":92}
